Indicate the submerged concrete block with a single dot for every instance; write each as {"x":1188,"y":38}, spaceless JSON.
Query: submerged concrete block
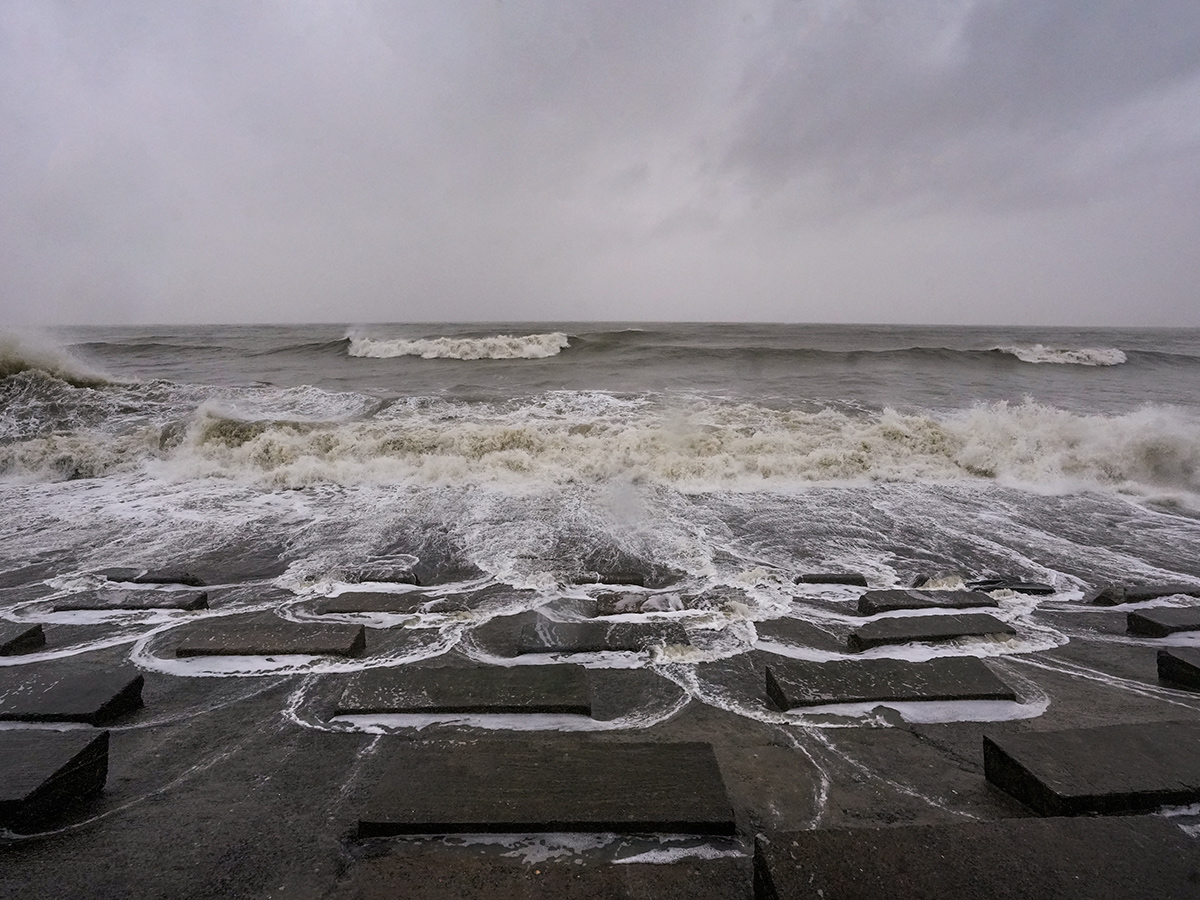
{"x":372,"y":602}
{"x":1116,"y":594}
{"x":551,"y":785}
{"x":874,"y":602}
{"x":134,"y":601}
{"x":1110,"y":769}
{"x":491,"y":689}
{"x":272,"y":637}
{"x":1163,"y":621}
{"x":1128,"y":858}
{"x":798,"y":683}
{"x":906,"y":629}
{"x":849,"y":578}
{"x":546,"y":636}
{"x":43,"y":773}
{"x":17,"y":637}
{"x":51,"y":694}
{"x":168,"y":576}
{"x":1181,"y":666}
{"x":632,"y":577}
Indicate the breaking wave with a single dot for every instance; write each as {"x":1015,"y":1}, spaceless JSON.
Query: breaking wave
{"x":705,"y":447}
{"x":1039,"y":353}
{"x":501,"y":346}
{"x":21,"y":353}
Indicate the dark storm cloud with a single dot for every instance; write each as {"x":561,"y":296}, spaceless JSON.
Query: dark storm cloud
{"x":805,"y":159}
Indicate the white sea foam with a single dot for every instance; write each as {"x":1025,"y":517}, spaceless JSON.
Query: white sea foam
{"x":501,"y":346}
{"x":23,"y":352}
{"x":1085,"y":356}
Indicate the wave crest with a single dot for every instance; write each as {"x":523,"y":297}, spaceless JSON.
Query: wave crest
{"x":501,"y":346}
{"x":21,"y":353}
{"x":1086,"y":356}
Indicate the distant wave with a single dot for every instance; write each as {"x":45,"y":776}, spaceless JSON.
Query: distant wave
{"x":21,"y":353}
{"x":501,"y":346}
{"x":1039,"y":353}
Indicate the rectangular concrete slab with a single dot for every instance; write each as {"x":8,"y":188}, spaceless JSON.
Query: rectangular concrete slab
{"x":18,"y":637}
{"x":546,"y":636}
{"x":848,"y":578}
{"x":551,"y":785}
{"x":1116,"y":594}
{"x":1164,"y":620}
{"x":372,"y":602}
{"x":53,"y":694}
{"x":134,"y":600}
{"x":1110,"y":769}
{"x":1181,"y":666}
{"x":873,"y":602}
{"x":272,"y":637}
{"x":1128,"y":858}
{"x":907,"y":629}
{"x":44,"y":772}
{"x":798,"y":683}
{"x":492,"y":689}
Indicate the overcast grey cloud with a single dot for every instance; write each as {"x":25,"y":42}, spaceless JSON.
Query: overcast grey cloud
{"x":808,"y":160}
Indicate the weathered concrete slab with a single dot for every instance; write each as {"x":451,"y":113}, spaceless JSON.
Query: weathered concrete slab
{"x":371,"y":602}
{"x":907,"y":629}
{"x":551,"y":785}
{"x":18,"y":637}
{"x":50,"y":695}
{"x":134,"y":601}
{"x":44,"y":772}
{"x":874,"y":602}
{"x":852,"y":579}
{"x":1110,"y":769}
{"x":1116,"y":594}
{"x":1180,"y":666}
{"x":630,"y":576}
{"x":1134,"y":858}
{"x":546,"y":636}
{"x":491,"y":689}
{"x":271,"y":636}
{"x":798,"y":633}
{"x":168,"y":576}
{"x":1011,"y":584}
{"x":381,"y":574}
{"x":797,"y":683}
{"x":1164,"y":620}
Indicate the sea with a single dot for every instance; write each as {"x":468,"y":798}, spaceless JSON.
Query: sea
{"x":522,"y":460}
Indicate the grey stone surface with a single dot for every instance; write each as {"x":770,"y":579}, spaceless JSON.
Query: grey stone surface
{"x":546,"y":636}
{"x":372,"y":602}
{"x":798,"y":633}
{"x":1135,"y":858}
{"x":271,"y":636}
{"x":1111,"y":769}
{"x":1164,"y":620}
{"x":797,"y":683}
{"x":381,"y":574}
{"x":555,"y":784}
{"x":906,"y":629}
{"x":849,"y":578}
{"x":1116,"y":594}
{"x":1180,"y":666}
{"x":1011,"y":584}
{"x":19,"y":637}
{"x":874,"y":602}
{"x":490,"y":689}
{"x":134,"y":600}
{"x":630,"y":576}
{"x":43,"y":773}
{"x":168,"y":576}
{"x":53,"y":693}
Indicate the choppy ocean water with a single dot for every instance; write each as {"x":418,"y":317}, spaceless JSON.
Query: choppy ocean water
{"x":719,"y":459}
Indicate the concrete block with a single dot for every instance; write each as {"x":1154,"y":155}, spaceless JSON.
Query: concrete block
{"x":1133,"y":858}
{"x":1181,"y":666}
{"x":907,"y":629}
{"x":271,"y":636}
{"x":1163,"y":621}
{"x":848,"y":578}
{"x":43,"y":773}
{"x":492,"y":689}
{"x":873,"y":602}
{"x":798,"y":683}
{"x":18,"y":637}
{"x":55,"y":694}
{"x":547,"y":636}
{"x":1109,"y":769}
{"x":134,"y":601}
{"x":551,"y":785}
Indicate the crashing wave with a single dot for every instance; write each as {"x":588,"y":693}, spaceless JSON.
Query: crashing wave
{"x":21,"y":353}
{"x":1086,"y":356}
{"x":501,"y":346}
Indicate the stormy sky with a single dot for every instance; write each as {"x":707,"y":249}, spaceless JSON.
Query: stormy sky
{"x":957,"y":161}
